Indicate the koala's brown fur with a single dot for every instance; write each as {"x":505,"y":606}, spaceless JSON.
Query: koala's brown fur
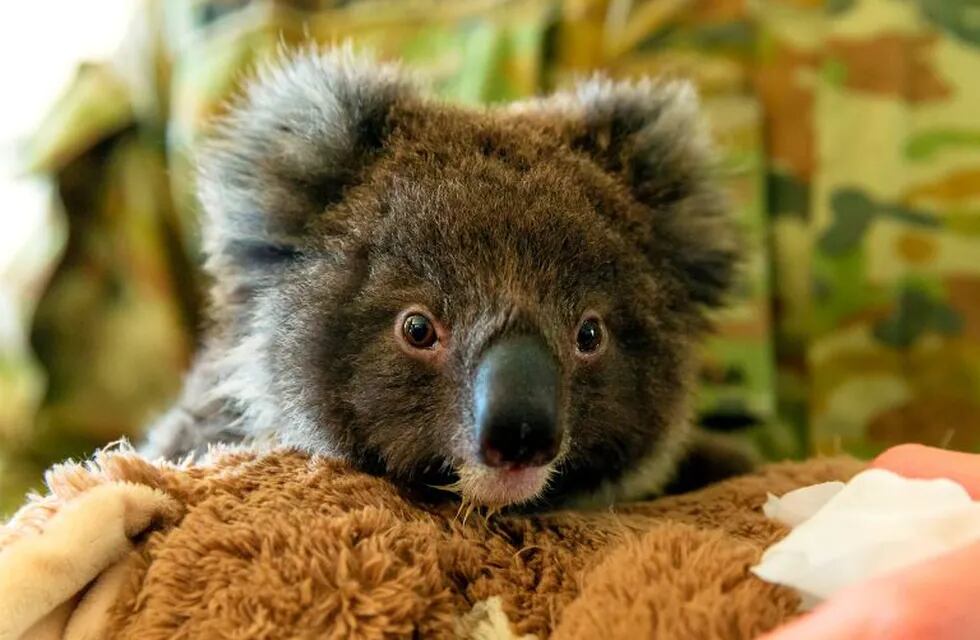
{"x":336,"y":195}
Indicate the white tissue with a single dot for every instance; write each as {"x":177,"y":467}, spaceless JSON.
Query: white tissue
{"x":877,"y":522}
{"x":796,"y":506}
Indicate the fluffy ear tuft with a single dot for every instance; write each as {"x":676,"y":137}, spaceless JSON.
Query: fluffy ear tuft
{"x":300,"y":133}
{"x":651,"y":136}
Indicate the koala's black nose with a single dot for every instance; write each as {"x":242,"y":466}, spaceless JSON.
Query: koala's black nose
{"x":515,"y":404}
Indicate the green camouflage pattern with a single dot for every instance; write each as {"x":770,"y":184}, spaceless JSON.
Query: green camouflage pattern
{"x":874,"y":183}
{"x":849,"y":141}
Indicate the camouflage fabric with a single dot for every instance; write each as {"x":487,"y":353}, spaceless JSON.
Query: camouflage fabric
{"x":849,"y":142}
{"x":874,"y":187}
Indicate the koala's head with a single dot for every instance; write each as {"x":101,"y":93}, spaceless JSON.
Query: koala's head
{"x":508,"y":298}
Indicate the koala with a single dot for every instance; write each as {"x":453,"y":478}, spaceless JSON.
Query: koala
{"x":505,"y":301}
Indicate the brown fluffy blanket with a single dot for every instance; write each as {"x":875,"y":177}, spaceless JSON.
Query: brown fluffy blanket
{"x":283,"y":546}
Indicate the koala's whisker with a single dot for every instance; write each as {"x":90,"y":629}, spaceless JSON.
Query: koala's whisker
{"x":459,"y":511}
{"x":470,"y":507}
{"x":486,"y":514}
{"x":452,"y":487}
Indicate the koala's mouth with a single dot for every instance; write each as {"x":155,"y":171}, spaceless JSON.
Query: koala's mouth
{"x":499,"y":486}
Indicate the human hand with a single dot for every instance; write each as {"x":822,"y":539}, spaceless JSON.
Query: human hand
{"x":932,"y":600}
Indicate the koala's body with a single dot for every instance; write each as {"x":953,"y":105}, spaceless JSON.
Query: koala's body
{"x":505,"y":300}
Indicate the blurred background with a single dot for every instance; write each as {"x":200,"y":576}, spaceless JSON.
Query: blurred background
{"x":850,"y":134}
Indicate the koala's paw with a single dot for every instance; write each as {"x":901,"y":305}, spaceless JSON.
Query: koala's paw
{"x":709,"y":459}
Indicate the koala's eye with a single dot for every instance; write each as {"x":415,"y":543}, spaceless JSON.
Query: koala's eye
{"x":589,"y":337}
{"x":418,"y":331}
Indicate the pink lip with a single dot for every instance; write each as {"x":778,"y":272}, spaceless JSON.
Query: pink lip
{"x":518,"y":477}
{"x":501,"y":486}
{"x":515,"y":470}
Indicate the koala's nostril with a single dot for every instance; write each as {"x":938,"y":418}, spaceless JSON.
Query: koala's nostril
{"x":491,"y":456}
{"x":515,"y":404}
{"x":510,"y":442}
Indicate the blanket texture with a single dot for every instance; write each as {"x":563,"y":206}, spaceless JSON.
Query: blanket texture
{"x":280,"y":545}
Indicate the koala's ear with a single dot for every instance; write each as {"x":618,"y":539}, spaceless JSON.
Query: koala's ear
{"x":650,"y":135}
{"x":299,"y":134}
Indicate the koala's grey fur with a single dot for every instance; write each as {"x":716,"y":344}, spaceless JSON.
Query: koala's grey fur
{"x":336,"y":194}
